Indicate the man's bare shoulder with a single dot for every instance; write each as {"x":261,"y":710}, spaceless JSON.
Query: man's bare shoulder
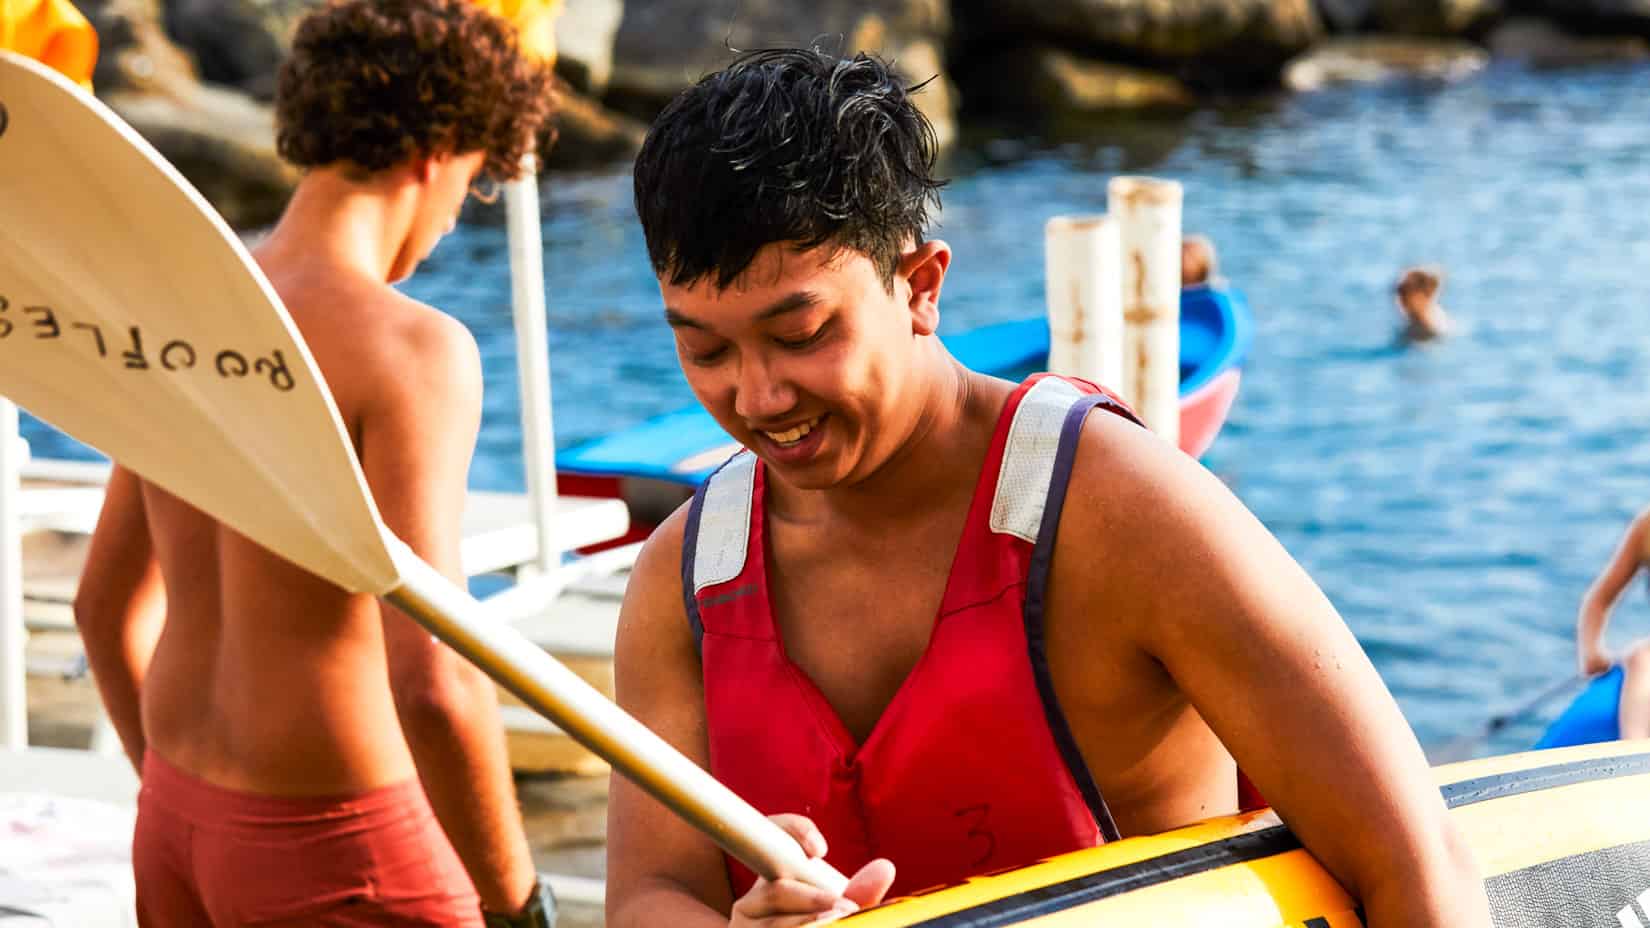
{"x":654,"y":637}
{"x":397,"y":331}
{"x":1180,"y":550}
{"x":378,"y":346}
{"x":1145,"y":509}
{"x":424,"y":347}
{"x":1126,"y":479}
{"x":653,"y":598}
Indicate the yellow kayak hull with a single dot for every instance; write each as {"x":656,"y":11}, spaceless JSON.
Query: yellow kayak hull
{"x":1563,"y":838}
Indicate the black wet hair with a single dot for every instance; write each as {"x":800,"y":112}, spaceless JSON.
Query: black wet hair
{"x":786,"y":145}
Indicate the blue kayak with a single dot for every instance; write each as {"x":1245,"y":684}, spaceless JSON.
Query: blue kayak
{"x":684,"y":446}
{"x":1591,"y":718}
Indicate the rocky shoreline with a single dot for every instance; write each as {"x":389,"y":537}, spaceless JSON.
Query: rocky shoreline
{"x":195,"y":76}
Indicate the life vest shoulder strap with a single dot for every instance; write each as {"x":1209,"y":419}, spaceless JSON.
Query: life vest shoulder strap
{"x":716,"y":542}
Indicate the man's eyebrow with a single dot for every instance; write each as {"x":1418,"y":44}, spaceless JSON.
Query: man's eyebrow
{"x":802,"y":299}
{"x":679,"y":321}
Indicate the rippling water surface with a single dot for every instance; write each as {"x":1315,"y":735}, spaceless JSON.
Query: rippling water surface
{"x":1453,"y":500}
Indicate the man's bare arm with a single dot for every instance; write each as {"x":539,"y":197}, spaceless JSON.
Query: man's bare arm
{"x":416,"y":444}
{"x":1201,"y":587}
{"x":1594,"y":615}
{"x":120,"y":608}
{"x":659,"y":869}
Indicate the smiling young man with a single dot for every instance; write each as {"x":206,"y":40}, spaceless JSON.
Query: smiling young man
{"x":310,"y":757}
{"x":940,"y":619}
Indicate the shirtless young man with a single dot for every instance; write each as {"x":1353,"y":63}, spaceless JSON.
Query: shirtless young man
{"x":1632,"y":553}
{"x":869,"y":621}
{"x":283,"y":727}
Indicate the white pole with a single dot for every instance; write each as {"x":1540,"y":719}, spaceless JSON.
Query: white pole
{"x":1085,"y":298}
{"x":538,"y":446}
{"x":1148,"y":220}
{"x":14,"y":717}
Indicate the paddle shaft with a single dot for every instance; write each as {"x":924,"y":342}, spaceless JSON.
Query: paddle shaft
{"x":541,"y":682}
{"x":1461,"y":747}
{"x":1563,"y":686}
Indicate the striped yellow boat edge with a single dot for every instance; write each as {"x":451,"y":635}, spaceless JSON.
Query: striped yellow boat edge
{"x":1563,"y":837}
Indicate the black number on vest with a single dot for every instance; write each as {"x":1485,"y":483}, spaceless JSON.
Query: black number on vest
{"x":978,"y":833}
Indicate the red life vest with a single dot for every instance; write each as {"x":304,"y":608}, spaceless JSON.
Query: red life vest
{"x":972,"y":766}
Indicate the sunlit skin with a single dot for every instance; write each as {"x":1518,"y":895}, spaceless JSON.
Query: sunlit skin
{"x":1631,"y":554}
{"x":1166,"y":598}
{"x":447,"y":179}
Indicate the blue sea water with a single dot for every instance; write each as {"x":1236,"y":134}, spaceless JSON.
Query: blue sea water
{"x":1452,"y":499}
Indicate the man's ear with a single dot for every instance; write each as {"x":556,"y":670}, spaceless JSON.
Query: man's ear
{"x":923,"y":268}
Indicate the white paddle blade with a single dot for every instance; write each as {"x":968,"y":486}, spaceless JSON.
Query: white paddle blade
{"x":132,"y":318}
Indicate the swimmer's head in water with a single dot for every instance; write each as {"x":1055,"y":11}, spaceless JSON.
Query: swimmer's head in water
{"x":371,"y":84}
{"x":1417,"y":288}
{"x":792,"y":146}
{"x":1198,"y":264}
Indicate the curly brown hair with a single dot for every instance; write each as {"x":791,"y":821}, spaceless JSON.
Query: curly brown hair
{"x":370,"y":83}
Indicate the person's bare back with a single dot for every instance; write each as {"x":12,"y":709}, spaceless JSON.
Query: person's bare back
{"x":243,"y":624}
{"x":302,"y":748}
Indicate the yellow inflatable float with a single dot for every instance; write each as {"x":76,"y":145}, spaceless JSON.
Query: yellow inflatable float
{"x":1563,"y":837}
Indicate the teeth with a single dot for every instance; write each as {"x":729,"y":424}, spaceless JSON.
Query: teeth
{"x":795,"y":435}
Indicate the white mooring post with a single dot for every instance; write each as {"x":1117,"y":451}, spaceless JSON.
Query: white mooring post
{"x":14,"y":718}
{"x":1085,"y":298}
{"x":538,"y":446}
{"x":1147,"y":211}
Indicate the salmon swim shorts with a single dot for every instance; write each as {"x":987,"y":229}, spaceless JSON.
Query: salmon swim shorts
{"x":207,"y":856}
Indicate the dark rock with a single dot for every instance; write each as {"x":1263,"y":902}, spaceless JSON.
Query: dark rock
{"x":663,"y":46}
{"x":240,"y":43}
{"x":1540,"y":44}
{"x":1433,"y":17}
{"x":1343,"y":16}
{"x":1041,"y":79}
{"x":1379,"y":58}
{"x":587,"y":134}
{"x":922,"y":61}
{"x":1219,"y":42}
{"x":1595,"y":16}
{"x":222,"y":141}
{"x":134,"y":53}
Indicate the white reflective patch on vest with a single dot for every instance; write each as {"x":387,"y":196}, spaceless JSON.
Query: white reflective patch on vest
{"x":725,"y":523}
{"x":1028,"y":460}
